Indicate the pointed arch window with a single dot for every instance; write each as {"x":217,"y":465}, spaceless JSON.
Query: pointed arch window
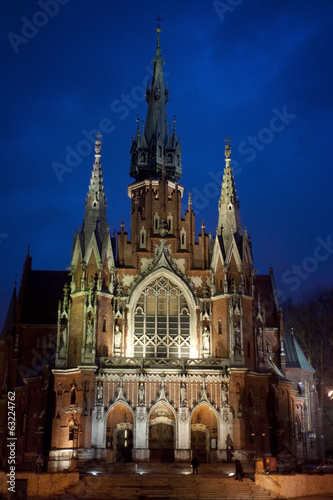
{"x":170,"y":223}
{"x":71,"y":430}
{"x":156,"y":223}
{"x":169,"y":158}
{"x":183,"y":239}
{"x":162,"y":321}
{"x":143,"y":238}
{"x":73,"y":396}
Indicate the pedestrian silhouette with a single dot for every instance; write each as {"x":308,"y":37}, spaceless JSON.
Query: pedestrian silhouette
{"x":239,"y":470}
{"x":195,"y":464}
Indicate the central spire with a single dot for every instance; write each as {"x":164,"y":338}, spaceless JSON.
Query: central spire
{"x":157,"y":144}
{"x":157,"y":97}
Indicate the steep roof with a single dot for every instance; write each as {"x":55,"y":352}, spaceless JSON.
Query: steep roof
{"x":40,"y":301}
{"x":295,"y":357}
{"x":264,"y":285}
{"x":10,"y":318}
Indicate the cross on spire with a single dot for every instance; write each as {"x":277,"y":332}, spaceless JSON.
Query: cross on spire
{"x":98,"y":136}
{"x":227,"y":141}
{"x":158,"y":19}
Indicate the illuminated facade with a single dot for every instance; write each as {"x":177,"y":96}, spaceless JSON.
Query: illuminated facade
{"x":167,"y":346}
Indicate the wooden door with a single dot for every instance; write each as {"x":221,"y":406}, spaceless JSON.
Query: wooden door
{"x":124,"y":445}
{"x":161,"y":442}
{"x":198,"y":445}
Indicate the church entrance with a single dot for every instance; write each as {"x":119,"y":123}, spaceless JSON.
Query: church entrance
{"x":198,"y":445}
{"x":124,"y":445}
{"x":161,"y":442}
{"x":119,"y":434}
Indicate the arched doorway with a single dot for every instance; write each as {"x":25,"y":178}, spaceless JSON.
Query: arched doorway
{"x":162,"y":434}
{"x":198,"y":444}
{"x":119,"y":434}
{"x":124,"y":444}
{"x":204,"y":434}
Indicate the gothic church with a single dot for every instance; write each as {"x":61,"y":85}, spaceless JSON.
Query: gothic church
{"x":159,"y":346}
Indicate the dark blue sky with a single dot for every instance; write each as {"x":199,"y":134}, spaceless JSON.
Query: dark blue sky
{"x":257,"y":72}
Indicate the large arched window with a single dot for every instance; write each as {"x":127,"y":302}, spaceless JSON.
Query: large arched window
{"x":162,"y":322}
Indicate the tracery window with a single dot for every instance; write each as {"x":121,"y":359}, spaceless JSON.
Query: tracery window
{"x":162,"y":321}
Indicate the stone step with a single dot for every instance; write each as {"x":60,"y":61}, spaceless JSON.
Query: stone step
{"x":172,"y":487}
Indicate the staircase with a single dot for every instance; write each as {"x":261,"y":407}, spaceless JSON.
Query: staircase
{"x":161,"y":487}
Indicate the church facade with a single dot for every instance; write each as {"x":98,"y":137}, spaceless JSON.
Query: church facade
{"x":165,"y":346}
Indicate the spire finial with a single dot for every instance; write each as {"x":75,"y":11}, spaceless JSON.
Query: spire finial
{"x":98,"y":148}
{"x":227,"y":148}
{"x":158,"y":31}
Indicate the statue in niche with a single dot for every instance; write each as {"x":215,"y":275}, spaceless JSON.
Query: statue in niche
{"x":141,"y":394}
{"x":117,"y":337}
{"x":237,"y":348}
{"x":63,"y":337}
{"x":183,"y":395}
{"x":224,"y":395}
{"x":100,"y":392}
{"x":205,"y":339}
{"x":260,"y":340}
{"x":89,"y":337}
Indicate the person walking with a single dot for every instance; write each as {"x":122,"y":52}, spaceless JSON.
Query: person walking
{"x":195,"y":465}
{"x":239,"y":470}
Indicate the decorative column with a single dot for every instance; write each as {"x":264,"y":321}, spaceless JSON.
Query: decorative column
{"x":225,"y":434}
{"x":183,"y":437}
{"x":98,"y":422}
{"x":140,"y":442}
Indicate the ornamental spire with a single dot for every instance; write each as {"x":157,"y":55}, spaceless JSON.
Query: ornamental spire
{"x":95,"y":220}
{"x":156,"y":141}
{"x":229,"y":221}
{"x":156,"y":119}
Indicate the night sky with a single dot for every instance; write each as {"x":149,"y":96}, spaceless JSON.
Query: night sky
{"x":257,"y":72}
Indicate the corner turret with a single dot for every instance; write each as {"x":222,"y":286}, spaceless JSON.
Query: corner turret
{"x":229,"y":222}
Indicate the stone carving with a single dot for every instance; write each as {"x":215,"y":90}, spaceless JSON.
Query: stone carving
{"x":183,"y":395}
{"x":141,"y":394}
{"x":100,"y":392}
{"x":89,"y":335}
{"x":224,"y":395}
{"x":260,"y":340}
{"x":117,"y":337}
{"x":237,"y":347}
{"x":64,"y":336}
{"x":205,"y":340}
